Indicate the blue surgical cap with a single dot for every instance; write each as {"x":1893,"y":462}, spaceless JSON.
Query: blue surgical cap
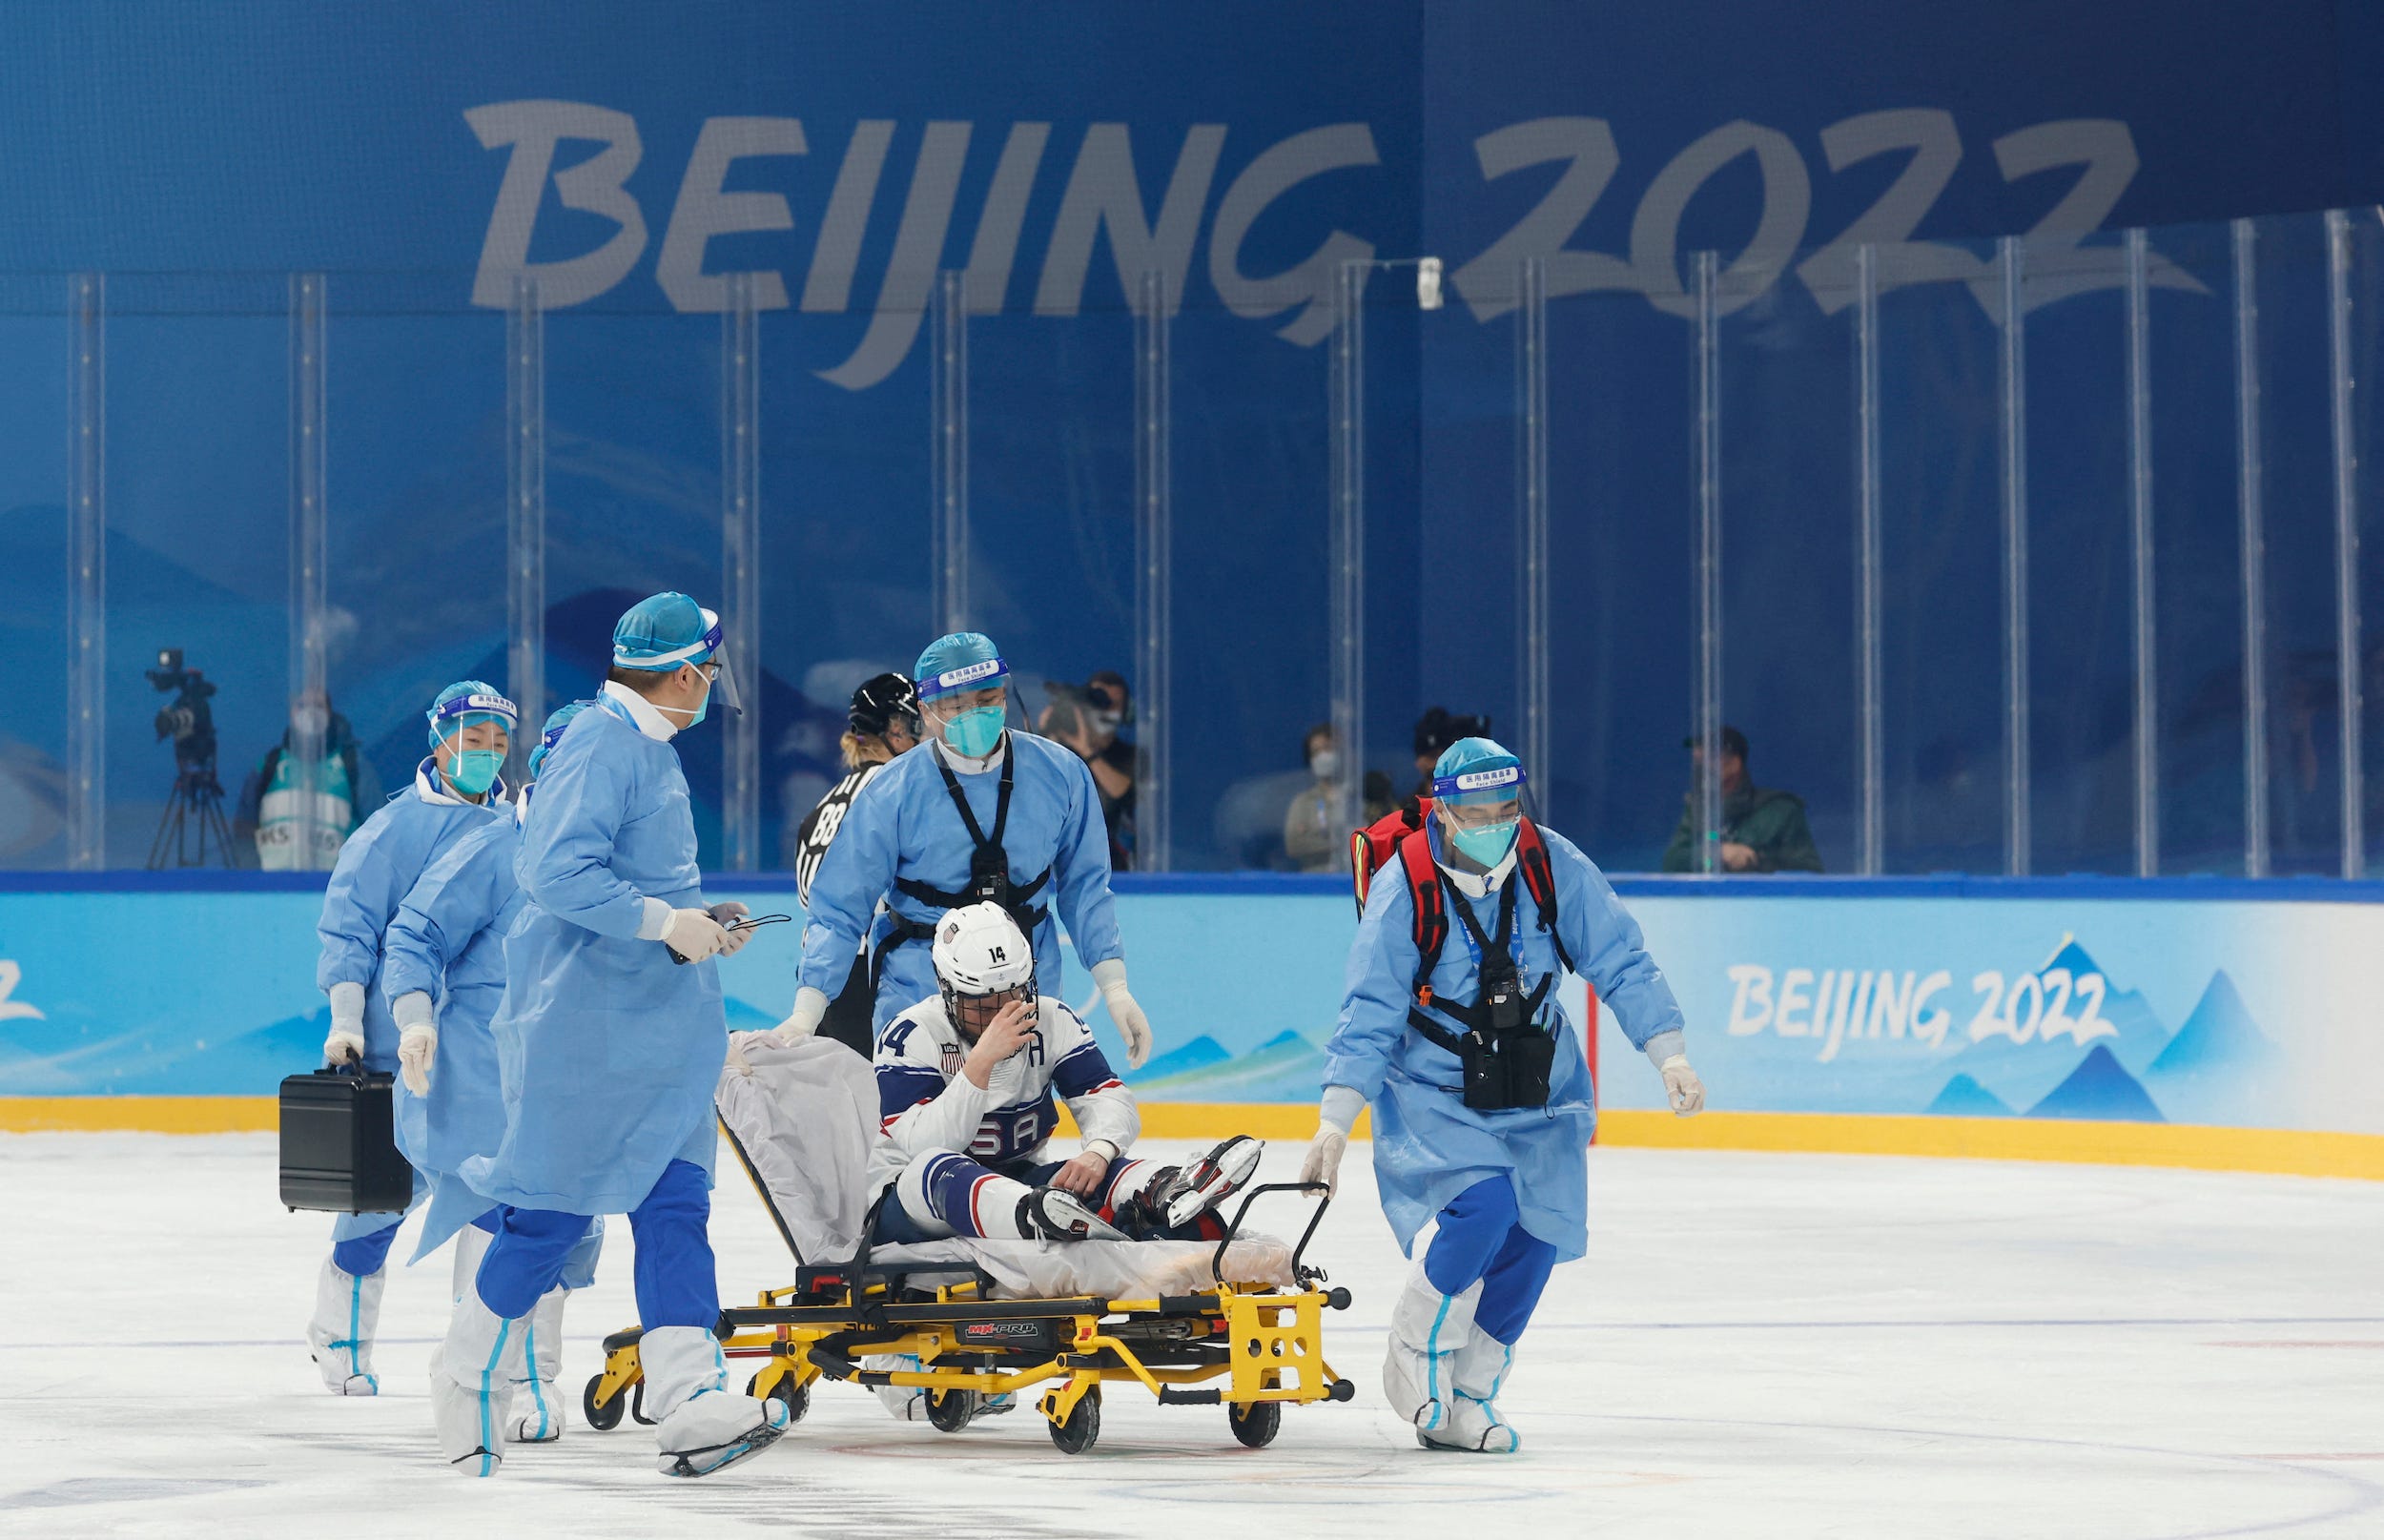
{"x":465,"y":702}
{"x":964,"y":659}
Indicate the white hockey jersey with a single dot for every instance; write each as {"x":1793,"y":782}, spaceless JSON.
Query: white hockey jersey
{"x":928,"y":1106}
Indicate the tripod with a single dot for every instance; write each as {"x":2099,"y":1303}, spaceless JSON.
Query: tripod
{"x":194,"y":815}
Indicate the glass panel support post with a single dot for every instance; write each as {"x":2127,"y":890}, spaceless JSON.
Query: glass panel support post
{"x":2012,"y":454}
{"x":948,"y":432}
{"x":87,"y":573}
{"x":2251,"y":536}
{"x":314,"y":843}
{"x":525,"y":516}
{"x":1347,"y":600}
{"x":1531,"y":573}
{"x":1870,"y":737}
{"x":740,"y":570}
{"x":1153,"y":578}
{"x":2346,"y":659}
{"x":2140,"y":547}
{"x":1706,"y":455}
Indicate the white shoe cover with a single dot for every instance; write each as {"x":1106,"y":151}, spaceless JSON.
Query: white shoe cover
{"x":904,"y":1403}
{"x":704,"y":1426}
{"x":1479,"y":1371}
{"x":538,"y":1409}
{"x":1427,"y":1329}
{"x":472,"y":1375}
{"x":341,"y":1335}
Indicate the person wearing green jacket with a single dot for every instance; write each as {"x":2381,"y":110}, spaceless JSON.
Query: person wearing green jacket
{"x":1763,"y":830}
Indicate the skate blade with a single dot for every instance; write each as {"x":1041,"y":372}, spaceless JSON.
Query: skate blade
{"x":1219,"y":1178}
{"x":720,"y":1457}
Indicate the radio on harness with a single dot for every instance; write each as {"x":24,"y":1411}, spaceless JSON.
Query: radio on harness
{"x":1507,"y":1057}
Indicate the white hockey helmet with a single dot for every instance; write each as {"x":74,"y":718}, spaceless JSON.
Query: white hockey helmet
{"x":983,"y":962}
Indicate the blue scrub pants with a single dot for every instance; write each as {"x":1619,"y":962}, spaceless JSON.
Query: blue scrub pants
{"x":360,"y":1242}
{"x":677,"y":1283}
{"x":1481,"y":1240}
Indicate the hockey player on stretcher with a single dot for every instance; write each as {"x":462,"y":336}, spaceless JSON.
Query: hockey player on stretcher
{"x":966,"y":1080}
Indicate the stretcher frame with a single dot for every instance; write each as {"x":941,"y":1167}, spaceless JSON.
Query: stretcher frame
{"x":1267,"y":1344}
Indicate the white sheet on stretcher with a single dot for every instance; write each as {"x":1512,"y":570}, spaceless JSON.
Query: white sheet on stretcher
{"x":804,"y":1119}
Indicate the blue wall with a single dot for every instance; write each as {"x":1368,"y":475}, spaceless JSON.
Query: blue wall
{"x":198,"y":154}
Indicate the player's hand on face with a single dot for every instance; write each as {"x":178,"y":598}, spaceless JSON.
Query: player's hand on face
{"x":1001,"y":1040}
{"x":1081,"y":1175}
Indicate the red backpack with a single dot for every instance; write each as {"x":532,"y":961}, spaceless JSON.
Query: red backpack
{"x":1400,"y":835}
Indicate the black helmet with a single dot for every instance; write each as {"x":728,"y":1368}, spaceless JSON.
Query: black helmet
{"x":879,"y":702}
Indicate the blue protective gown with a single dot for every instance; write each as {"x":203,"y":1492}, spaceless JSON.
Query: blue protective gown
{"x":376,"y":868}
{"x":903,"y":825}
{"x":608,"y":1051}
{"x":1428,"y":1146}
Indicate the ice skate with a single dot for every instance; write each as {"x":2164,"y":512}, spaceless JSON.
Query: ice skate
{"x":1176,"y":1196}
{"x":347,"y":1307}
{"x":1048,"y":1214}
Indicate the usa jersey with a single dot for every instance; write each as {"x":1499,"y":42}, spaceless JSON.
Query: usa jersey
{"x":929,"y":1106}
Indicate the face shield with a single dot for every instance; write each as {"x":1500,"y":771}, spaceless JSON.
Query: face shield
{"x":470,"y":735}
{"x":1481,"y":811}
{"x":967,"y":706}
{"x":708,"y":657}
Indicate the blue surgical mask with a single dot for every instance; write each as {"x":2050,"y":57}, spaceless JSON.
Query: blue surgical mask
{"x":1487,"y":845}
{"x":474,"y":771}
{"x":974,"y":732}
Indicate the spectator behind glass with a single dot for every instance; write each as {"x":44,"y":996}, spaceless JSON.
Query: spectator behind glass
{"x":1086,"y":718}
{"x":1434,"y":732}
{"x":1763,"y":829}
{"x":265,"y":827}
{"x":1312,"y":835}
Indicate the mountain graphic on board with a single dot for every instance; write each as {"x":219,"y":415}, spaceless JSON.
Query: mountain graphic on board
{"x":1198,"y":1054}
{"x":2100,"y":1088}
{"x":2219,"y":1034}
{"x":2023,"y":1073}
{"x":1286,"y":1067}
{"x":1965,"y":1098}
{"x":2141,"y":1035}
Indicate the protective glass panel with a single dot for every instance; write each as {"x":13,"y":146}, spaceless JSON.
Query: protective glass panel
{"x":36,"y":566}
{"x":199,"y":414}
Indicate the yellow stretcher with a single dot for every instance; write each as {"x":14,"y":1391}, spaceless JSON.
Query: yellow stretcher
{"x":1266,"y":1344}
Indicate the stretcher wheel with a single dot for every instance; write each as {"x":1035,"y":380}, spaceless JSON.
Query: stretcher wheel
{"x":1257,"y":1423}
{"x":604,"y":1416}
{"x":797,"y":1397}
{"x":1084,"y":1426}
{"x":952,"y":1410}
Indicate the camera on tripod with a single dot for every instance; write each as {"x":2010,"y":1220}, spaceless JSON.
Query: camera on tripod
{"x":190,"y":722}
{"x":194,"y":818}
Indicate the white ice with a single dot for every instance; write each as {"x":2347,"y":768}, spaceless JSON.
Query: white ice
{"x":1757,"y":1346}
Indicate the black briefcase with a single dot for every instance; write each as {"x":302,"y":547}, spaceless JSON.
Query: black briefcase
{"x":338,"y":1143}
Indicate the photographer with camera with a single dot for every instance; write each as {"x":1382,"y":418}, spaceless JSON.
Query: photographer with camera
{"x":346,"y":789}
{"x":1086,"y":718}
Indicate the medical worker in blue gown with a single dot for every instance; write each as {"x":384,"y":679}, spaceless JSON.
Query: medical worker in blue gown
{"x":609,"y":1041}
{"x":444,"y":976}
{"x":1483,"y":1103}
{"x":455,"y":790}
{"x":981,"y":813}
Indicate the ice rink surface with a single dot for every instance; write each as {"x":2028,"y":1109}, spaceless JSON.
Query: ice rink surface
{"x":1765,"y":1346}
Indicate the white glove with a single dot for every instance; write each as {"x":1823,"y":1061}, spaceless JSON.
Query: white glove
{"x":418,"y":1040}
{"x":345,"y":1045}
{"x":721,"y":913}
{"x":417,"y":1047}
{"x":694,"y":935}
{"x":1681,"y":1085}
{"x":1323,"y":1161}
{"x":1131,"y":1024}
{"x":811,"y":1006}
